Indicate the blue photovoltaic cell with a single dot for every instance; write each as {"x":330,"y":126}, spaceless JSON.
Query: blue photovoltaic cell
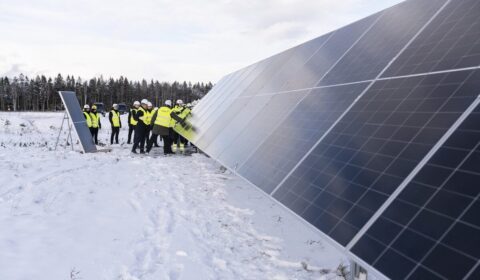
{"x":451,"y":41}
{"x":395,"y":28}
{"x":297,"y":134}
{"x":434,"y":224}
{"x":365,"y":157}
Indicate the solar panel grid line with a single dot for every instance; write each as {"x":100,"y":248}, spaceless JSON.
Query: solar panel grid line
{"x":437,"y":242}
{"x":474,"y":268}
{"x":415,"y":171}
{"x":368,"y":81}
{"x":312,"y":88}
{"x":296,"y":105}
{"x":363,"y":93}
{"x":430,"y":73}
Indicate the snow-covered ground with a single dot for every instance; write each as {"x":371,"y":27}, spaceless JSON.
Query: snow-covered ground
{"x":67,"y":215}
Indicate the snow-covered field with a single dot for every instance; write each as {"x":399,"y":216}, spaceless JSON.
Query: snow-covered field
{"x":67,"y":215}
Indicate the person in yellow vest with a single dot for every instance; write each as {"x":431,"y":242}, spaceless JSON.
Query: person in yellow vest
{"x":96,"y":124}
{"x":148,"y":121}
{"x":114,"y":117}
{"x":155,"y":136}
{"x":131,"y":120}
{"x":88,"y":119}
{"x":162,"y":125}
{"x":178,"y":140}
{"x":142,"y":118}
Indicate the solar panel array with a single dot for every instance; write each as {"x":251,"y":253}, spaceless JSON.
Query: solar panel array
{"x":370,"y":133}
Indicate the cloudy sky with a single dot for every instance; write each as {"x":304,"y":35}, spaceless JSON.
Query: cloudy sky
{"x":161,"y":39}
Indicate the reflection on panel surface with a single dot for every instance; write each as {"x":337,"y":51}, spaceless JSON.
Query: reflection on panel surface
{"x":297,"y":134}
{"x":366,"y":156}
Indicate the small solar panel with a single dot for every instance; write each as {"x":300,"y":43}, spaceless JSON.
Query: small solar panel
{"x":75,"y":113}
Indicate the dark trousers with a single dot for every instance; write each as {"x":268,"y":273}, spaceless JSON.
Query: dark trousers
{"x":155,"y":140}
{"x":139,"y":138}
{"x":167,"y":144}
{"x":147,"y":134}
{"x":115,"y":132}
{"x":175,"y":137}
{"x":131,"y":128}
{"x":95,"y":134}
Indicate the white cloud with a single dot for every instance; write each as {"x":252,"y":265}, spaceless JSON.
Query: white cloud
{"x":162,"y":39}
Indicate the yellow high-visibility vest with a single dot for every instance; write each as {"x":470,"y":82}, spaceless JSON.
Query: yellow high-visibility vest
{"x":148,"y":117}
{"x":95,"y":119}
{"x":132,"y":119}
{"x":88,"y":119}
{"x":176,"y":110}
{"x":163,"y":116}
{"x":144,"y":117}
{"x":115,"y":118}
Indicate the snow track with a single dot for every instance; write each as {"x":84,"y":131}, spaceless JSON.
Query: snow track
{"x":114,"y":216}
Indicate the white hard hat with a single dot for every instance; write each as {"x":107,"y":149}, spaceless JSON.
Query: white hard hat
{"x":149,"y":104}
{"x":115,"y":105}
{"x":136,"y":103}
{"x":86,"y":106}
{"x":189,"y":104}
{"x":168,"y":102}
{"x":179,"y":101}
{"x":156,"y":108}
{"x":144,"y":101}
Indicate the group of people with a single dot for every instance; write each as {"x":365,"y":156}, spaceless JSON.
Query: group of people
{"x":145,"y":123}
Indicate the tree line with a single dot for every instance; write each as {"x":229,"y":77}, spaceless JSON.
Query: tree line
{"x":41,"y":93}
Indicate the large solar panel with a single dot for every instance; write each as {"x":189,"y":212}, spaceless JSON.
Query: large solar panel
{"x":370,"y":134}
{"x":75,"y":113}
